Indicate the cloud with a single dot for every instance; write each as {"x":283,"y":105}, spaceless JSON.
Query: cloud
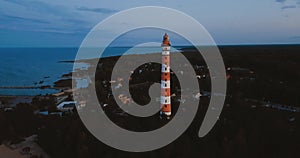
{"x":288,"y":7}
{"x":97,"y":10}
{"x":42,"y":16}
{"x":42,"y":7}
{"x":280,"y":1}
{"x":22,"y":19}
{"x":295,"y":37}
{"x":34,"y":5}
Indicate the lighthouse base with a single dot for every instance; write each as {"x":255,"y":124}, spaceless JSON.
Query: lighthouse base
{"x":165,"y":115}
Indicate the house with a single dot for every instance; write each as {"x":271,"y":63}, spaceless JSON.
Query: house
{"x":46,"y":113}
{"x":61,"y":96}
{"x":66,"y":106}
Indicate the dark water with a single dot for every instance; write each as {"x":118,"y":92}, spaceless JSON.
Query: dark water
{"x":26,"y":66}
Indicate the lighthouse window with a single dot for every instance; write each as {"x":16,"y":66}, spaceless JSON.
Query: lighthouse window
{"x":166,"y":101}
{"x":166,"y":106}
{"x":165,"y":79}
{"x":165,"y":69}
{"x":165,"y":85}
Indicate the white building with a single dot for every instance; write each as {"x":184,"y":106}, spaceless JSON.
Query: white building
{"x":66,"y":106}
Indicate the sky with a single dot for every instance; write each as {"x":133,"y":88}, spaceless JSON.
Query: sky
{"x":57,"y":23}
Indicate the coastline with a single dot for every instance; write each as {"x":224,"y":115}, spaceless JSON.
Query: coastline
{"x":250,"y":104}
{"x":230,"y":54}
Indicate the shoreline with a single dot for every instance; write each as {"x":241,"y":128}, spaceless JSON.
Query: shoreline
{"x":8,"y":101}
{"x":63,"y":83}
{"x":230,"y":55}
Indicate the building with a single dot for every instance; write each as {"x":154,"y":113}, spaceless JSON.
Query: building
{"x":165,"y":78}
{"x":66,"y":106}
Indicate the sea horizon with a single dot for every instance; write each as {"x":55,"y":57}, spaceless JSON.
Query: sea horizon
{"x":42,"y":66}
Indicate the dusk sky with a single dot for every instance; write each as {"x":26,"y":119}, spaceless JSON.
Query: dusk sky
{"x":57,"y":23}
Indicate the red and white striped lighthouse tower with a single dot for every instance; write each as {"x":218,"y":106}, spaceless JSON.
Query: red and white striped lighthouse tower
{"x":165,"y":98}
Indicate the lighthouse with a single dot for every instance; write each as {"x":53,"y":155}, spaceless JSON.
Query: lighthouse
{"x":165,"y":98}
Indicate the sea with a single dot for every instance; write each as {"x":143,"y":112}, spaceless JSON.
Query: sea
{"x":28,"y":67}
{"x":33,"y":67}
